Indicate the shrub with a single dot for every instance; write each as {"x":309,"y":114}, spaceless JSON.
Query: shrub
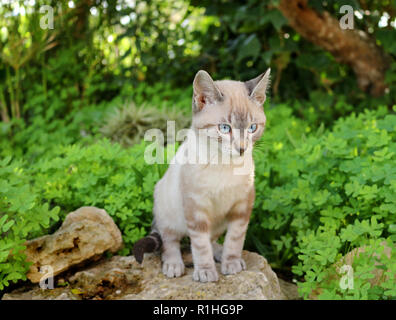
{"x":33,"y":198}
{"x":23,"y":214}
{"x":321,"y":195}
{"x":54,"y":126}
{"x":103,"y":175}
{"x":128,"y":124}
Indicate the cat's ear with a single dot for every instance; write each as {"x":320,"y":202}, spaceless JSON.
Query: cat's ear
{"x":257,"y":87}
{"x":205,"y":91}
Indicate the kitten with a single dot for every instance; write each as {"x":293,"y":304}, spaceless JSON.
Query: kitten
{"x":203,"y":199}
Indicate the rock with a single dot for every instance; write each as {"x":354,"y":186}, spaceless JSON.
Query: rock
{"x":39,"y":294}
{"x":257,"y":282}
{"x":378,"y":272}
{"x":348,"y":260}
{"x":349,"y":257}
{"x":123,"y":278}
{"x":289,"y":290}
{"x":85,"y":234}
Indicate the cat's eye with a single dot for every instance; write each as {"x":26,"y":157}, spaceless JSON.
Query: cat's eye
{"x":224,"y":128}
{"x":252,"y":128}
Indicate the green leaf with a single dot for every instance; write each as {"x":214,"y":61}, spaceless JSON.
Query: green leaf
{"x":8,"y":225}
{"x":250,"y":48}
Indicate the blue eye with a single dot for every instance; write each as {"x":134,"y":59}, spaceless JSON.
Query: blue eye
{"x":252,"y":128}
{"x":224,"y":128}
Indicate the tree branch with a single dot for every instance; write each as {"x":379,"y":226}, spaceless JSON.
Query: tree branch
{"x":352,"y":47}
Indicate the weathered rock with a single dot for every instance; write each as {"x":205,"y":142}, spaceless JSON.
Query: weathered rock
{"x":257,"y":282}
{"x":123,"y":278}
{"x":289,"y":289}
{"x":39,"y":294}
{"x":348,"y":259}
{"x":377,"y":272}
{"x":85,"y":234}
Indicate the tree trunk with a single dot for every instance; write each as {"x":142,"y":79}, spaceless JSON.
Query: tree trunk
{"x":352,"y":47}
{"x":82,"y":23}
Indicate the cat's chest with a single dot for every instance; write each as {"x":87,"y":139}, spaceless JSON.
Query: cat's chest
{"x":222,"y":188}
{"x":222,"y":179}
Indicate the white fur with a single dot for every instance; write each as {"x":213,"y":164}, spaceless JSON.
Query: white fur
{"x":220,"y":189}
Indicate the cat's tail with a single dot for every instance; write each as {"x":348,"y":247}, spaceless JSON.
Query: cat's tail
{"x":150,"y":243}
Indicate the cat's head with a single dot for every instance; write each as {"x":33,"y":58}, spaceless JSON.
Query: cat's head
{"x":230,"y":111}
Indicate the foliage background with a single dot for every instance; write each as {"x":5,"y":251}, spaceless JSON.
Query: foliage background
{"x":76,"y":100}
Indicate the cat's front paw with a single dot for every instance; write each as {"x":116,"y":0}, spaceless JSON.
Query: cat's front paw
{"x":233,"y":266}
{"x":205,"y":274}
{"x":173,"y":269}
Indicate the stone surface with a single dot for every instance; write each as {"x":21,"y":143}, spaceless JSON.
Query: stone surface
{"x":123,"y":278}
{"x":289,"y":290}
{"x":378,"y":272}
{"x":348,"y":260}
{"x":85,"y":234}
{"x":257,"y":282}
{"x":38,"y":294}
